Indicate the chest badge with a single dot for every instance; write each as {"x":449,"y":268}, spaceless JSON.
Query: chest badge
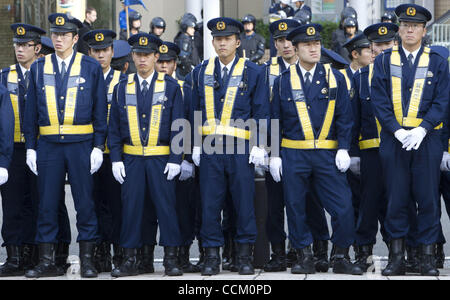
{"x":324,"y":91}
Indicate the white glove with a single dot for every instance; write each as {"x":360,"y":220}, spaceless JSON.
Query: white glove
{"x":96,"y":159}
{"x":196,"y":156}
{"x":402,"y":135}
{"x":275,"y":167}
{"x":173,"y":169}
{"x":118,"y":169}
{"x":355,"y":165}
{"x":257,"y":156}
{"x":445,"y":163}
{"x":31,"y":160}
{"x":3,"y":176}
{"x":342,"y":160}
{"x":415,"y":138}
{"x":187,"y":170}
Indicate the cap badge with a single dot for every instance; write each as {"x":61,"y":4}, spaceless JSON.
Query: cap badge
{"x":221,"y":25}
{"x":282,"y":26}
{"x":21,"y":30}
{"x":143,"y":41}
{"x":163,"y":49}
{"x":411,"y":11}
{"x":382,"y":30}
{"x":311,"y":31}
{"x":99,"y":37}
{"x":60,"y":21}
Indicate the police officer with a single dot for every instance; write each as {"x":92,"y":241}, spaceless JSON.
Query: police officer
{"x":389,"y":17}
{"x":120,"y":60}
{"x":300,"y":5}
{"x":142,"y":153}
{"x":188,"y":57}
{"x":409,"y":96}
{"x":252,"y":44}
{"x":213,"y":83}
{"x":106,"y":189}
{"x":338,"y":37}
{"x":135,"y":23}
{"x":157,"y":26}
{"x":283,"y":5}
{"x":47,"y":47}
{"x":66,"y":107}
{"x":366,"y":142}
{"x":314,"y":136}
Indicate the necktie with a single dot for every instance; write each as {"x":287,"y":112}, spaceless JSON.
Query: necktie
{"x":410,"y":61}
{"x":144,"y":87}
{"x":63,"y":69}
{"x":27,"y":78}
{"x":307,"y":80}
{"x":225,"y":75}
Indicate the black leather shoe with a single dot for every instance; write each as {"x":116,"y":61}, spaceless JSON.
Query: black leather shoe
{"x":129,"y":266}
{"x":291,"y":256}
{"x":184,"y":262}
{"x":245,"y":259}
{"x":304,"y":263}
{"x":412,"y":260}
{"x":87,"y":268}
{"x":118,"y":255}
{"x":46,"y":266}
{"x":146,"y":259}
{"x":440,"y":256}
{"x":227,"y":253}
{"x":397,"y":264}
{"x":30,"y":256}
{"x":320,"y":250}
{"x":201,"y":257}
{"x":102,"y":257}
{"x":13,"y":265}
{"x":234,"y":263}
{"x":342,"y":263}
{"x":364,"y":259}
{"x":170,"y":262}
{"x":277,"y":263}
{"x":211,"y":265}
{"x":428,"y":261}
{"x":61,"y":255}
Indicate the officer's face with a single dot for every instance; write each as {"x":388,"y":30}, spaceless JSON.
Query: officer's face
{"x":377,"y":48}
{"x":248,"y":27}
{"x":158,"y":31}
{"x":63,"y":41}
{"x":103,"y":56}
{"x":350,"y":30}
{"x":364,"y":58}
{"x":298,"y":4}
{"x":190,"y":31}
{"x":412,"y":33}
{"x":167,"y":67}
{"x":91,"y":17}
{"x":285,"y":48}
{"x":136,"y":24}
{"x":309,"y":52}
{"x":226,"y":46}
{"x":145,"y":62}
{"x":26,"y":52}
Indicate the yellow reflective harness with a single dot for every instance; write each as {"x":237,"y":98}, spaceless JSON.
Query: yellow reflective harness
{"x":275,"y":71}
{"x":224,"y":127}
{"x":181,"y":84}
{"x":13,"y":89}
{"x":347,"y":79}
{"x":67,"y":128}
{"x":310,"y":141}
{"x":411,"y":119}
{"x":159,"y":96}
{"x":114,"y":81}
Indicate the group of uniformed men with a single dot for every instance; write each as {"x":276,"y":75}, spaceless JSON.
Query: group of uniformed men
{"x":114,"y":137}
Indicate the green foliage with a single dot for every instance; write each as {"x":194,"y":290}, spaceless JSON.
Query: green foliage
{"x":263,"y":29}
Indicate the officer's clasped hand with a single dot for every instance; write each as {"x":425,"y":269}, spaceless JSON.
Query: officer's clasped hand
{"x":118,"y":169}
{"x":445,"y":163}
{"x":3,"y":176}
{"x":187,"y":170}
{"x":342,"y":160}
{"x":355,"y":165}
{"x":172,"y":170}
{"x":31,"y":160}
{"x":415,"y":138}
{"x":96,"y":160}
{"x":257,"y":156}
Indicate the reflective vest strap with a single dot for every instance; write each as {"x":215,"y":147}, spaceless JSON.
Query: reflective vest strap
{"x":159,"y":91}
{"x":347,"y":80}
{"x":332,"y":84}
{"x":114,"y":82}
{"x":50,"y":92}
{"x":302,"y":111}
{"x":369,"y":144}
{"x":131,"y":105}
{"x":309,"y":144}
{"x":232,"y":92}
{"x":13,"y":88}
{"x":72,"y":91}
{"x":181,"y":84}
{"x":146,"y":151}
{"x":274,"y":67}
{"x":370,"y":74}
{"x":209,"y":92}
{"x":421,"y":73}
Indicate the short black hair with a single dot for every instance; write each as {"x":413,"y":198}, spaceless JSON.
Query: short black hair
{"x":90,"y":9}
{"x":350,"y":55}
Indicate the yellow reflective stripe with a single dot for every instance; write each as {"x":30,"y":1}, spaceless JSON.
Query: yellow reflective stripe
{"x":397,"y":87}
{"x":209,"y":94}
{"x":156,"y":113}
{"x":231,"y":94}
{"x":332,"y":84}
{"x":50,"y":93}
{"x":146,"y":151}
{"x":226,"y":130}
{"x":133,"y":122}
{"x":71,"y":97}
{"x":347,"y":80}
{"x":370,"y":74}
{"x":416,"y":94}
{"x":274,"y":67}
{"x":13,"y":78}
{"x":368,"y":144}
{"x":66,"y":129}
{"x":448,"y":145}
{"x":114,"y":82}
{"x":302,"y":111}
{"x":415,"y":122}
{"x":181,"y":83}
{"x":309,"y":144}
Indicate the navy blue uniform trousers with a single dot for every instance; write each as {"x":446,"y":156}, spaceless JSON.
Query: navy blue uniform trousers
{"x":186,"y":210}
{"x":147,"y":174}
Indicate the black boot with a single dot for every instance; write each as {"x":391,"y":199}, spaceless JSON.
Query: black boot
{"x":46,"y":266}
{"x":320,"y":249}
{"x":184,"y":262}
{"x":171,"y":262}
{"x":412,"y":259}
{"x":440,"y":256}
{"x":118,"y":255}
{"x":146,"y":258}
{"x":30,"y":256}
{"x":234,"y":264}
{"x":304,"y":263}
{"x":61,"y":255}
{"x":129,"y":266}
{"x":201,"y":258}
{"x":227,"y":253}
{"x":332,"y":254}
{"x":87,"y":268}
{"x":342,"y":263}
{"x":428,"y":261}
{"x":13,"y":265}
{"x":291,"y":256}
{"x":397,"y":263}
{"x":364,"y":259}
{"x":277,"y":263}
{"x":102,"y":257}
{"x":211,"y":265}
{"x":245,"y":259}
